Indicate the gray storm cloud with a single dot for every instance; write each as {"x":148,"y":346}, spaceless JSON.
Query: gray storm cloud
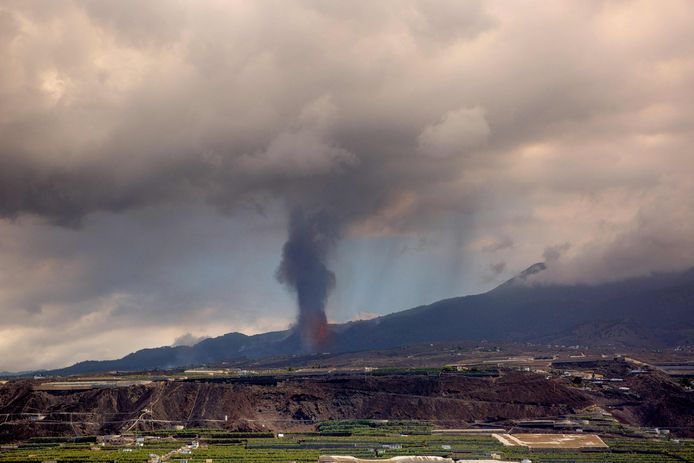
{"x":442,"y":121}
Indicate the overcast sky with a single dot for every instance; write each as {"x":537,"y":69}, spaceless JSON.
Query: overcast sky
{"x":150,"y":152}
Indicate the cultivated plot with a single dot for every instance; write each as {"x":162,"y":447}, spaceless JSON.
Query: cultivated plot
{"x":548,"y":441}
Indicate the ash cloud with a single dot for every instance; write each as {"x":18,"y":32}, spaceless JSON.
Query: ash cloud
{"x":304,"y":269}
{"x":188,"y":339}
{"x":443,"y":122}
{"x":553,"y":253}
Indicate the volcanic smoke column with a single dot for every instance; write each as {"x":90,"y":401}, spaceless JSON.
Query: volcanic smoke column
{"x":312,"y":236}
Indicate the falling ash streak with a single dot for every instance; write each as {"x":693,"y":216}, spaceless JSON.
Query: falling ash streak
{"x":312,"y":236}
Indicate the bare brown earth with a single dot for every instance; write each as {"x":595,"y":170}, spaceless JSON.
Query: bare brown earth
{"x":559,"y":441}
{"x":445,"y":399}
{"x":297,"y":402}
{"x":654,"y":400}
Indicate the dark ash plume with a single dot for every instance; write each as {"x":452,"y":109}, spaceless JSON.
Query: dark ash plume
{"x":303,"y":269}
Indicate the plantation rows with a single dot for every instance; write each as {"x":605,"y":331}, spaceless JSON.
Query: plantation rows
{"x":374,"y":427}
{"x":226,"y":447}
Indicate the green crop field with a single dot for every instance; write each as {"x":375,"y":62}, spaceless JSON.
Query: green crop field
{"x":361,"y":438}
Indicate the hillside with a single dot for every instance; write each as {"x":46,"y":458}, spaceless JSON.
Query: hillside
{"x":254,"y":406}
{"x":657,"y":310}
{"x":296,"y":401}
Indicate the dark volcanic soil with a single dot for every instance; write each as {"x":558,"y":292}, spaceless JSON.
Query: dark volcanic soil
{"x":654,"y":400}
{"x":286,"y":403}
{"x":446,"y":399}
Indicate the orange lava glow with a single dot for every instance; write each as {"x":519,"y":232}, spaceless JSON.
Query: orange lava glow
{"x":315,"y":332}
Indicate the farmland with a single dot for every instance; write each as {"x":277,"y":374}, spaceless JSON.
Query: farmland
{"x":561,"y":441}
{"x":549,"y":408}
{"x":360,"y":438}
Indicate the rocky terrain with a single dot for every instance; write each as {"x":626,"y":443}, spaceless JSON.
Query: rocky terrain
{"x":282,"y":403}
{"x":447,"y":399}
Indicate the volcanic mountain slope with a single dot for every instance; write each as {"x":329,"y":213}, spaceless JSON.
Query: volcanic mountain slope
{"x":656,"y":310}
{"x":516,"y":311}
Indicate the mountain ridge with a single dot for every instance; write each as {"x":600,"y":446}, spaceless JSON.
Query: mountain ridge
{"x":659,"y":304}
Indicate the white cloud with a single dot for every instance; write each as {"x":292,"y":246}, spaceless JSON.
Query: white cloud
{"x":456,"y":133}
